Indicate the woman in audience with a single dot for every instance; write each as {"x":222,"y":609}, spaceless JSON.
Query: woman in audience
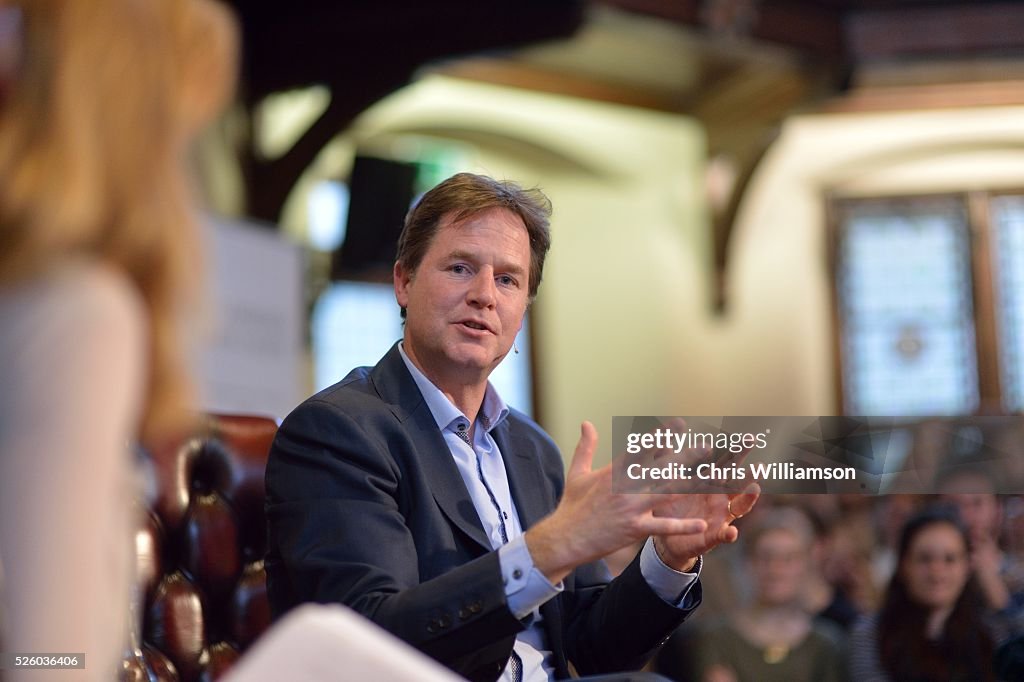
{"x":930,"y":626}
{"x":98,"y":250}
{"x":774,"y":637}
{"x":971,"y":490}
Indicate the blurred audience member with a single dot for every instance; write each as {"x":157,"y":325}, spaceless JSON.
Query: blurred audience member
{"x":1000,"y":575}
{"x":931,"y":624}
{"x":838,"y":581}
{"x":98,"y":248}
{"x":774,"y":637}
{"x":890,"y":514}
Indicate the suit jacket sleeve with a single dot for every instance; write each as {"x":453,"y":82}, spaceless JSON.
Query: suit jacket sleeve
{"x":619,"y":625}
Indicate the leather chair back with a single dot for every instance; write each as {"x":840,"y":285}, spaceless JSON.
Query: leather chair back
{"x":202,"y":591}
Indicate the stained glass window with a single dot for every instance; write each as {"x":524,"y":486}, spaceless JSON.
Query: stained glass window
{"x":904,"y":294}
{"x":1007,"y":215}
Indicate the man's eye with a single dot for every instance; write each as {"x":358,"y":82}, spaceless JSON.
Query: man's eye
{"x":459,"y":269}
{"x":506,"y":281}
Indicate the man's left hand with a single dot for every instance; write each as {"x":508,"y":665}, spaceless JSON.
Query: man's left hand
{"x":719,"y":510}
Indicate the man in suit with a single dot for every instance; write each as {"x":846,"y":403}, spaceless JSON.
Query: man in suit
{"x":411,"y":493}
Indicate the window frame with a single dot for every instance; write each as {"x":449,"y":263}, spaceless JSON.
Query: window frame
{"x":984,"y":275}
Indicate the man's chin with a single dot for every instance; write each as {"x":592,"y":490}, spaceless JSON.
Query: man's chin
{"x":476,"y":360}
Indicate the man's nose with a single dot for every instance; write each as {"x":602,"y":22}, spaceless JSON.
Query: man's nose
{"x":482,"y":291}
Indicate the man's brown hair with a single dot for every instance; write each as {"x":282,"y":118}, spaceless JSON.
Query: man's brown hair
{"x":464,"y":195}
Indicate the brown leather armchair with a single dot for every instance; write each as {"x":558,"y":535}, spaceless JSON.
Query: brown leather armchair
{"x":202,"y":591}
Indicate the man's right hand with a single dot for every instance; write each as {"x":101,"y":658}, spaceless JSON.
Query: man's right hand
{"x":592,"y":521}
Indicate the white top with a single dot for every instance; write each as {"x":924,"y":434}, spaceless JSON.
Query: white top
{"x":316,"y":642}
{"x":72,"y":359}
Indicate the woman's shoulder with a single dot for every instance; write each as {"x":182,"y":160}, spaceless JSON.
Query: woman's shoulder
{"x":80,"y":293}
{"x":75,"y":316}
{"x":93,"y":283}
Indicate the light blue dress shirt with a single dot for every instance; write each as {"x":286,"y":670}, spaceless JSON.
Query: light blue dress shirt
{"x":526,"y":588}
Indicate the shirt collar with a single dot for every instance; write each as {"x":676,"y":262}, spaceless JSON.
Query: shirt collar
{"x":492,"y":412}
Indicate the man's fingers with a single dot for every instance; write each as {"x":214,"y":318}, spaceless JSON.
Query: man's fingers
{"x":677,"y":424}
{"x":741,"y":503}
{"x":661,"y":525}
{"x":729,"y":534}
{"x":583,"y":457}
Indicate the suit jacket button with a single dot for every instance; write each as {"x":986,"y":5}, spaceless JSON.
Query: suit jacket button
{"x":444,"y":621}
{"x":463,"y":613}
{"x":476,"y":607}
{"x":432,"y":627}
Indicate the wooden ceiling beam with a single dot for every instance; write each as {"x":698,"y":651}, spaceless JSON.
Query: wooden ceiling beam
{"x":324,"y":42}
{"x":958,"y":31}
{"x":362,"y":52}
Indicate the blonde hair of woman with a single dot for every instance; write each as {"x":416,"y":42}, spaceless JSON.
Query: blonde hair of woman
{"x":98,"y":246}
{"x":94,"y":122}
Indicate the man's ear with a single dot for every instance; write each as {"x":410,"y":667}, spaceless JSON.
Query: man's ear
{"x":401,"y":277}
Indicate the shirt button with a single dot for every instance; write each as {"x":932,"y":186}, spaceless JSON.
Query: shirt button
{"x":517,"y":574}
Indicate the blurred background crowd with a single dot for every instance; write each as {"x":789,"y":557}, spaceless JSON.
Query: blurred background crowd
{"x":855,"y":587}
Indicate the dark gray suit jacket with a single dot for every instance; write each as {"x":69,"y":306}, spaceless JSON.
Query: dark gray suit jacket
{"x":366,"y":507}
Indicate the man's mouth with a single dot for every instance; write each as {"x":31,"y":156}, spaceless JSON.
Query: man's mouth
{"x":475,"y":325}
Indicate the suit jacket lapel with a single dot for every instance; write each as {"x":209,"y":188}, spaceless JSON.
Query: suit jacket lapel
{"x":529,"y":490}
{"x":395,"y":386}
{"x":525,"y":478}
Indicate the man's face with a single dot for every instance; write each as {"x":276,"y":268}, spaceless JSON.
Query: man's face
{"x":975,"y":499}
{"x":979,"y":512}
{"x":466,"y":299}
{"x":781,"y":562}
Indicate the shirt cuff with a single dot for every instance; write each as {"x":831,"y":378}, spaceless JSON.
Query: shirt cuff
{"x":526,"y":588}
{"x":671,"y":585}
